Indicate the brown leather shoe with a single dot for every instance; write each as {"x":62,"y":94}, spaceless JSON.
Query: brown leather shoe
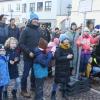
{"x":25,"y":94}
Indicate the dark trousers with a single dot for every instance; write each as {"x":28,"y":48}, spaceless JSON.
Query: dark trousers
{"x":50,"y":71}
{"x":63,"y":88}
{"x":39,"y":88}
{"x":28,"y":65}
{"x":1,"y":90}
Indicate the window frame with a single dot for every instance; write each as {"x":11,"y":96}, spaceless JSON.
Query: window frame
{"x":32,"y":7}
{"x":18,"y":7}
{"x":38,"y":8}
{"x":24,"y":8}
{"x":48,"y":8}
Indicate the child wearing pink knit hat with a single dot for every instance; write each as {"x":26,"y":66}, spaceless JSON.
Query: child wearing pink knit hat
{"x":52,"y":45}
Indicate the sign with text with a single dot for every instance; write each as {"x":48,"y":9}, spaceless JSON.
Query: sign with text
{"x":85,"y":5}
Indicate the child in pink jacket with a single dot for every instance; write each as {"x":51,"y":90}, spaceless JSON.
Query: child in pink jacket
{"x":86,"y":42}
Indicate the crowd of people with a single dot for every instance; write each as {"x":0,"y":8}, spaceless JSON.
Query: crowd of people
{"x":42,"y":51}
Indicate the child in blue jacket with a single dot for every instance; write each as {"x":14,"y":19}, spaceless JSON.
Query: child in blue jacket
{"x":41,"y":61}
{"x":4,"y":74}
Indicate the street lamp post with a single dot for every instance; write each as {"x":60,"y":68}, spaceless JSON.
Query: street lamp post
{"x":12,"y":12}
{"x":69,"y":7}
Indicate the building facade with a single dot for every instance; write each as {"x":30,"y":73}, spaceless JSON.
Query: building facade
{"x":93,"y":15}
{"x":51,"y":12}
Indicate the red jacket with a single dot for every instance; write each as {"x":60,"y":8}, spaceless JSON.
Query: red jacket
{"x":86,"y":41}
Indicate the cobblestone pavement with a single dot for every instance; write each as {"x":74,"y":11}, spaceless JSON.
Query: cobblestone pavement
{"x":90,"y":95}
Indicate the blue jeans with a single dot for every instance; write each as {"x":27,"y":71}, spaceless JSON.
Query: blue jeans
{"x":84,"y":61}
{"x":39,"y":88}
{"x":96,"y":70}
{"x":55,"y":87}
{"x":17,"y":84}
{"x":28,"y":64}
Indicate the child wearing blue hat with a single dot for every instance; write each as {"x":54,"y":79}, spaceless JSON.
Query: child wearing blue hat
{"x":63,"y":56}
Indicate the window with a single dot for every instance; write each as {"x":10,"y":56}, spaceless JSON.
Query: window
{"x":17,"y":7}
{"x":9,"y":8}
{"x":39,"y":6}
{"x":48,"y":6}
{"x":32,"y":7}
{"x":24,"y":8}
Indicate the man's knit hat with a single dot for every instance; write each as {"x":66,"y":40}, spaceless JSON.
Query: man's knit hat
{"x":33,"y":16}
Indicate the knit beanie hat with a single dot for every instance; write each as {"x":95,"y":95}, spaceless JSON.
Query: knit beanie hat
{"x":56,"y":41}
{"x":33,"y":16}
{"x":42,"y":43}
{"x":63,"y":37}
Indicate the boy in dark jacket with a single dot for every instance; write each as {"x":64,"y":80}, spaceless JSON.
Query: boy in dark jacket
{"x":63,"y":55}
{"x":41,"y":61}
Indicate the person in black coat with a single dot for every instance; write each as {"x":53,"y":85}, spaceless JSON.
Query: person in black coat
{"x":96,"y":60}
{"x":63,"y":56}
{"x":13,"y":30}
{"x":29,"y":40}
{"x":46,"y":33}
{"x":56,"y":33}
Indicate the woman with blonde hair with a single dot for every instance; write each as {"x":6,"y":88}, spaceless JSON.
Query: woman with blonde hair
{"x":12,"y":50}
